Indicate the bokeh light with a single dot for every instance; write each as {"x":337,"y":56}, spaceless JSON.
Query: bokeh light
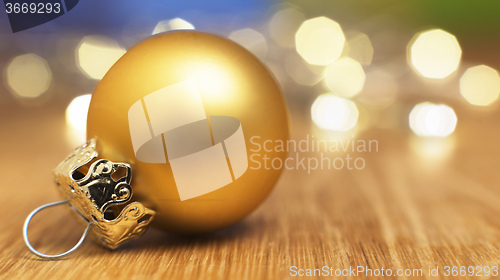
{"x":96,"y":54}
{"x":28,"y":76}
{"x":251,"y":40}
{"x":76,"y":117}
{"x":345,"y":77}
{"x":76,"y":113}
{"x":480,"y":85}
{"x":359,"y":47}
{"x":172,"y":24}
{"x":283,"y":25}
{"x":435,"y":53}
{"x":335,"y":113}
{"x":428,"y":119}
{"x":320,"y":41}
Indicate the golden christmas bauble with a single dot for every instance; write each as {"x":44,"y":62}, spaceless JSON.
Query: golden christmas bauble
{"x":190,"y":112}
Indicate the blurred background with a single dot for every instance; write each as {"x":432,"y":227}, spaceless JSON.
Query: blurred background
{"x":419,"y":67}
{"x":419,"y":76}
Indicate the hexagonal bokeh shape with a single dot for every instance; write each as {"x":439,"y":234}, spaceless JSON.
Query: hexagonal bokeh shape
{"x":334,"y":113}
{"x":28,"y":75}
{"x":434,"y":54}
{"x":435,"y":120}
{"x":345,"y":77}
{"x":480,"y":85}
{"x":320,"y":41}
{"x":96,"y":54}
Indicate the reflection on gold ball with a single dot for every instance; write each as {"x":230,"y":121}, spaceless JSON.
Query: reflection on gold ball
{"x":231,"y":82}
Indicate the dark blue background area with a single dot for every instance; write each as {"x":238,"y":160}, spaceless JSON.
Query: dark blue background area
{"x":108,"y":16}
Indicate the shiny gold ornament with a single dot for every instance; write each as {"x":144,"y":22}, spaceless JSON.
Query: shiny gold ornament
{"x":157,"y":107}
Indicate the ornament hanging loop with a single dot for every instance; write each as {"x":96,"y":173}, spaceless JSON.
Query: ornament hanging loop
{"x":87,"y":184}
{"x":46,"y":256}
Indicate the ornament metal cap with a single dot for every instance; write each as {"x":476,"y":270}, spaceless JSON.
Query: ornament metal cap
{"x":91,"y":196}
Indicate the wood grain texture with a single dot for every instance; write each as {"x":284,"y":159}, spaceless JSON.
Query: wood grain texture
{"x":404,"y":210}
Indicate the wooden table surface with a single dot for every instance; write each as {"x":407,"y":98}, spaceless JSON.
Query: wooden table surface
{"x":417,"y":204}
